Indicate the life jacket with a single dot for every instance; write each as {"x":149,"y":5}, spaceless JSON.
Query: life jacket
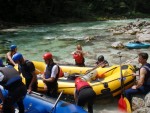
{"x":25,"y":70}
{"x":11,"y":76}
{"x":48,"y":74}
{"x":147,"y":76}
{"x":82,"y":84}
{"x":61,"y":74}
{"x":79,"y":59}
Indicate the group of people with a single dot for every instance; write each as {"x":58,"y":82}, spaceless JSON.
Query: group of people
{"x":11,"y":80}
{"x":79,"y":54}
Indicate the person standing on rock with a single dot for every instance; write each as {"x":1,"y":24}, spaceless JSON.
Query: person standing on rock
{"x":142,"y":85}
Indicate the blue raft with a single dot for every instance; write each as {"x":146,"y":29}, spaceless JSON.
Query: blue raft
{"x":134,"y":45}
{"x":35,"y":103}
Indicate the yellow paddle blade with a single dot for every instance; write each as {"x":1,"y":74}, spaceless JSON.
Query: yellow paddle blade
{"x":128,"y":105}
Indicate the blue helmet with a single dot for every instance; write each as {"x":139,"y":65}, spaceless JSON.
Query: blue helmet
{"x":12,"y":47}
{"x":17,"y":57}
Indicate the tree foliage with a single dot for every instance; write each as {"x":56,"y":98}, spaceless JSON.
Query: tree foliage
{"x":53,"y":10}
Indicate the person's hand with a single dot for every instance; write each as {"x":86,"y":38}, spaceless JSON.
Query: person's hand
{"x":134,"y":87}
{"x":29,"y":90}
{"x":134,"y":74}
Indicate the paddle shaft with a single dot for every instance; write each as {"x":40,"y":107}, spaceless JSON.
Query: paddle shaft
{"x":94,"y":68}
{"x":56,"y":102}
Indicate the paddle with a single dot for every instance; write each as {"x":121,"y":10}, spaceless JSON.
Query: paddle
{"x":94,"y":68}
{"x":123,"y":103}
{"x":56,"y":102}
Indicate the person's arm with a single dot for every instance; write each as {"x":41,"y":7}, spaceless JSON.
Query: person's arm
{"x":141,"y":78}
{"x":34,"y":77}
{"x":75,"y":95}
{"x":8,"y":55}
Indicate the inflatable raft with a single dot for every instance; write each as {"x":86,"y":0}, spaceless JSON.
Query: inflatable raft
{"x":103,"y":80}
{"x":134,"y":45}
{"x":38,"y":103}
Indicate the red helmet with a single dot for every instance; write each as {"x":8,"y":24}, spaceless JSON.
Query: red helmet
{"x":47,"y":56}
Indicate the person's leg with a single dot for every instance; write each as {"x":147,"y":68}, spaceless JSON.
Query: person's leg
{"x":20,"y":106}
{"x":8,"y":106}
{"x":90,"y":106}
{"x":130,"y":92}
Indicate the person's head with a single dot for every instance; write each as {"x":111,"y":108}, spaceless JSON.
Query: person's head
{"x":142,"y":57}
{"x":13,"y":48}
{"x":48,"y":57}
{"x":79,"y":47}
{"x":17,"y":57}
{"x":100,"y":58}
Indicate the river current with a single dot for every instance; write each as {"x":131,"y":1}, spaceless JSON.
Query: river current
{"x":61,"y":40}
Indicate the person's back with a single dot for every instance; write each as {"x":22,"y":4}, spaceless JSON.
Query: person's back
{"x":13,"y":50}
{"x":11,"y":80}
{"x":84,"y":94}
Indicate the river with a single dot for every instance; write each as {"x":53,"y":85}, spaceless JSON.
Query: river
{"x":61,"y":40}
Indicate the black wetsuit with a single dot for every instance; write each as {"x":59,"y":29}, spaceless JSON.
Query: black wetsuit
{"x":26,"y":69}
{"x":86,"y":95}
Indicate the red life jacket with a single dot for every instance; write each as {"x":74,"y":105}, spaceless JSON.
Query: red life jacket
{"x":81,"y":85}
{"x":78,"y":58}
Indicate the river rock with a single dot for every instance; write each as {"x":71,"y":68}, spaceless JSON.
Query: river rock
{"x":143,"y":37}
{"x":141,"y":104}
{"x":117,"y":45}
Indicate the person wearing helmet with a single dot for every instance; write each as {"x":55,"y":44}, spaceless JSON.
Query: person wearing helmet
{"x":84,"y":94}
{"x":12,"y":81}
{"x":51,"y":75}
{"x":101,"y":61}
{"x":27,"y":69}
{"x":13,"y":50}
{"x":78,"y":55}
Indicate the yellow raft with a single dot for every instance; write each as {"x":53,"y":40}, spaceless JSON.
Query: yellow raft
{"x":110,"y":82}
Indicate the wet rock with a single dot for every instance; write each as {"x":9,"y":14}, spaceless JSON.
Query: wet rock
{"x":137,"y":103}
{"x":117,"y":45}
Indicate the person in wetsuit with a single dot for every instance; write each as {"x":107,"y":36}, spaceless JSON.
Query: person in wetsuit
{"x":84,"y":94}
{"x":27,"y":69}
{"x":11,"y":81}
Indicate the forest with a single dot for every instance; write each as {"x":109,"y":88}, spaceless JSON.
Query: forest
{"x":52,"y":11}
